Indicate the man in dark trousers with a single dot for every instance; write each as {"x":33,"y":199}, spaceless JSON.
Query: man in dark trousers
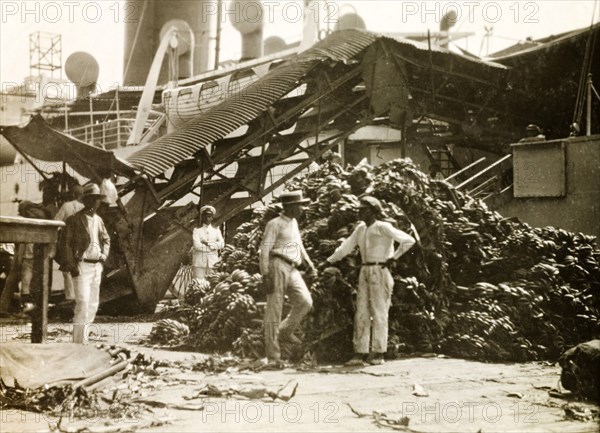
{"x":86,"y":247}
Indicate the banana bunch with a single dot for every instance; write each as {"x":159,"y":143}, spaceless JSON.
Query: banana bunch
{"x":254,"y":287}
{"x":228,"y":249}
{"x":237,"y":259}
{"x":216,"y":277}
{"x":196,"y":290}
{"x":169,"y":331}
{"x":327,"y":247}
{"x":343,"y":213}
{"x":329,"y":276}
{"x":249,"y":343}
{"x":241,"y":239}
{"x":315,"y":209}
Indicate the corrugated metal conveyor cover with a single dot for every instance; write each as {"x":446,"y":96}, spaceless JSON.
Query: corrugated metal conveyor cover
{"x":241,"y":108}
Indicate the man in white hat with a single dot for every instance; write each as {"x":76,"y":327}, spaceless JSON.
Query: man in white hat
{"x":375,"y":240}
{"x":281,"y":253}
{"x":208,"y":241}
{"x":86,"y":247}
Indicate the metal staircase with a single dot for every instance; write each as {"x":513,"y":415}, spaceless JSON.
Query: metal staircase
{"x":488,"y":184}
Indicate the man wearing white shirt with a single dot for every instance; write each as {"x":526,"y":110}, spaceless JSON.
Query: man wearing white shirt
{"x":281,"y":253}
{"x":208,"y":241}
{"x":71,"y":207}
{"x":108,"y":188}
{"x":375,"y":240}
{"x":86,"y":247}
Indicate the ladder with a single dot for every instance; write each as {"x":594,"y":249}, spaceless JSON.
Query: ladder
{"x":444,"y":158}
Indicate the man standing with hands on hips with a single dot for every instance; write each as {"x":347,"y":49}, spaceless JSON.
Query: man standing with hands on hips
{"x":375,"y":240}
{"x":86,"y":247}
{"x":281,"y":253}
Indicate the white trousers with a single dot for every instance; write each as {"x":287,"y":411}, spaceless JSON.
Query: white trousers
{"x":200,"y":272}
{"x":87,"y":297}
{"x":373,"y":300}
{"x":286,"y":280}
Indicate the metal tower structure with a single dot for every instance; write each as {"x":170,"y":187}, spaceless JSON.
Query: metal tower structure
{"x":45,"y":54}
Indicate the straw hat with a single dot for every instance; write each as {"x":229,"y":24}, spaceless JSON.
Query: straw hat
{"x":92,"y":190}
{"x":292,"y":197}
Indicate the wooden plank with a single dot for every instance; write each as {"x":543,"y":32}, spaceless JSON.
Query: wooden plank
{"x":27,"y":234}
{"x":17,"y":229}
{"x":42,"y":233}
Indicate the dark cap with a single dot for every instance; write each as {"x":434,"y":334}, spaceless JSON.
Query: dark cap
{"x":373,"y":203}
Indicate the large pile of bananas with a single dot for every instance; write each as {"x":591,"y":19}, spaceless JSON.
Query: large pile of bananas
{"x":478,"y":285}
{"x":223,"y":310}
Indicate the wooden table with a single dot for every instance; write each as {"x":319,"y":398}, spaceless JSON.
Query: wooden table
{"x":42,"y":233}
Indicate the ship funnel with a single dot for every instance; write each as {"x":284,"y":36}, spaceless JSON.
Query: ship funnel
{"x":248,"y":20}
{"x":144,"y":22}
{"x":185,"y":46}
{"x":83,"y":70}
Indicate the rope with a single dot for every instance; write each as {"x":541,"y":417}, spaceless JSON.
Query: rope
{"x":595,"y":92}
{"x":585,"y":70}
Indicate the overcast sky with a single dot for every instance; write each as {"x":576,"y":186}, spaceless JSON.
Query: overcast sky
{"x":97,"y":26}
